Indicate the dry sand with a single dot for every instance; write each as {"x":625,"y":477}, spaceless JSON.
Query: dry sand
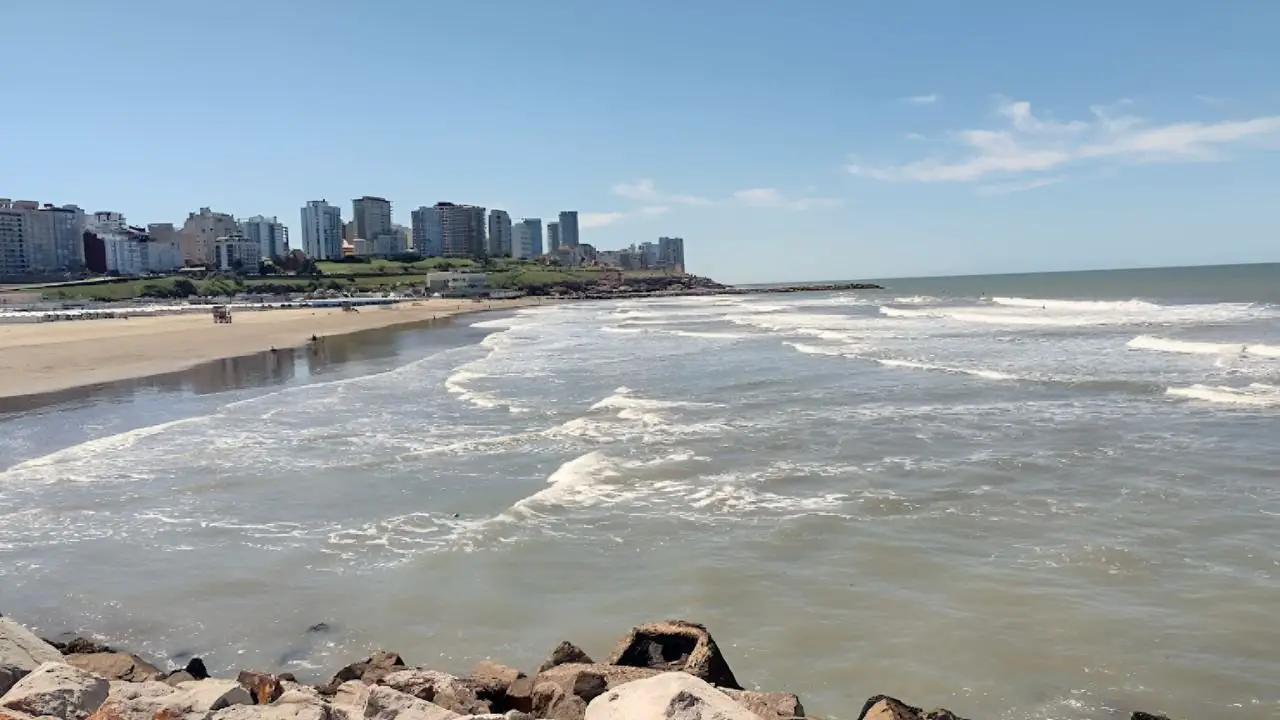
{"x":50,"y":356}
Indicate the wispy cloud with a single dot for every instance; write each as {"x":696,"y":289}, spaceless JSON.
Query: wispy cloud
{"x":1028,"y":144}
{"x":929,"y":99}
{"x":1212,"y":100}
{"x":595,"y":220}
{"x":659,"y":202}
{"x":772,"y":198}
{"x":1018,"y":186}
{"x":646,"y":190}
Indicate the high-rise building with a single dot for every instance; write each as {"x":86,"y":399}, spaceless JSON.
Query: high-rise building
{"x":535,"y":236}
{"x":428,"y":233}
{"x":321,"y":231}
{"x":671,"y":253}
{"x":270,"y":234}
{"x":526,"y":239}
{"x":499,"y":234}
{"x":372,"y":216}
{"x":553,"y":237}
{"x":569,"y":228}
{"x":200,"y":231}
{"x":37,"y":239}
{"x":462,"y":230}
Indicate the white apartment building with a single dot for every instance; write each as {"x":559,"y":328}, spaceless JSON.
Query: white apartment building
{"x":199,"y":233}
{"x":37,"y":239}
{"x":163,"y":252}
{"x":521,"y":242}
{"x":321,"y":231}
{"x":270,"y":234}
{"x":237,"y":252}
{"x":126,"y":251}
{"x":500,"y":242}
{"x":428,"y":233}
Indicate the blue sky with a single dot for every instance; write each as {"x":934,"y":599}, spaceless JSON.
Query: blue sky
{"x":783,"y":141}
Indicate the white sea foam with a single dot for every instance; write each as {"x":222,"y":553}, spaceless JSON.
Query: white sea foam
{"x":1078,"y":305}
{"x":618,"y":330}
{"x":706,"y":335}
{"x":47,"y":466}
{"x":596,"y":479}
{"x":1256,"y":394}
{"x":1191,"y":347}
{"x":976,"y":372}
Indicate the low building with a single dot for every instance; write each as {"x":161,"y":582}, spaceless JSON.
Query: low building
{"x":237,"y":253}
{"x":458,"y":284}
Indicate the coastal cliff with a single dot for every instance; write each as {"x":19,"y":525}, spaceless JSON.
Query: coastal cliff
{"x":668,"y":670}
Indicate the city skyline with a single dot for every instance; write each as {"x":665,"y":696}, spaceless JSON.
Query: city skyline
{"x":968,"y":149}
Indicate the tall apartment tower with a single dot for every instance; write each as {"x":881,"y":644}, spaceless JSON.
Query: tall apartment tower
{"x":499,"y":234}
{"x":462,"y":230}
{"x":428,"y":233}
{"x":270,"y":234}
{"x":569,"y":228}
{"x":530,"y":245}
{"x":671,"y":252}
{"x":321,"y":230}
{"x":39,"y":239}
{"x":372,"y":216}
{"x":553,"y":236}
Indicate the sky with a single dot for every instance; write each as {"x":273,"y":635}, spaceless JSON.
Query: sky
{"x":809,"y":140}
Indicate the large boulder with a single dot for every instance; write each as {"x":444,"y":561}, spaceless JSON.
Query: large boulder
{"x":493,"y":683}
{"x":768,"y":705}
{"x":191,"y":700}
{"x":292,"y":704}
{"x":443,"y":689}
{"x":21,"y":652}
{"x":264,"y":687}
{"x":115,"y":666}
{"x":668,"y":696}
{"x":883,"y":707}
{"x":369,"y":671}
{"x":589,"y":681}
{"x":354,"y":700}
{"x":675,"y":645}
{"x":565,"y":652}
{"x":550,"y":701}
{"x":57,"y":690}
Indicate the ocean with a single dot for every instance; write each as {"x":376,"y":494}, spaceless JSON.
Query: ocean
{"x":1019,"y":497}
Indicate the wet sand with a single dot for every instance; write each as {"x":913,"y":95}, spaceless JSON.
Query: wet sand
{"x":48,"y":357}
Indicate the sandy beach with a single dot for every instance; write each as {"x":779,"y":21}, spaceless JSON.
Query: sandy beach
{"x":46,"y":357}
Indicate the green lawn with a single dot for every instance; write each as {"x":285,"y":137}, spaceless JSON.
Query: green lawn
{"x":391,"y":267}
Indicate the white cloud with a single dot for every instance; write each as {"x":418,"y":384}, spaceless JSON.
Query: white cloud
{"x":1213,"y":100}
{"x":595,"y":220}
{"x":1029,"y":144}
{"x":929,"y":99}
{"x":1019,"y":186}
{"x":647,"y":191}
{"x":772,"y":198}
{"x":655,"y":210}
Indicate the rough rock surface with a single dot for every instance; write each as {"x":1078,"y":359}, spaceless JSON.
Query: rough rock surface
{"x":440,"y":688}
{"x":768,"y":705}
{"x":192,"y":700}
{"x":293,"y":704}
{"x":355,"y":700}
{"x":883,"y":707}
{"x":668,"y":696}
{"x":674,"y":645}
{"x":264,"y":687}
{"x":81,"y":646}
{"x":21,"y":652}
{"x":565,"y":652}
{"x":115,"y":666}
{"x":552,"y":702}
{"x":369,"y":671}
{"x":1139,"y":715}
{"x":588,"y":681}
{"x":58,"y":690}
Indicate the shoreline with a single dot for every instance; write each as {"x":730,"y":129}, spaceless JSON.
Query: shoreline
{"x":45,"y":358}
{"x":665,"y":670}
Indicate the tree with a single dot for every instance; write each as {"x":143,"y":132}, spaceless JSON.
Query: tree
{"x":183,"y":288}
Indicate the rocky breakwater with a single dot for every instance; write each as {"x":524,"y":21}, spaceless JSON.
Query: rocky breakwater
{"x":671,"y":670}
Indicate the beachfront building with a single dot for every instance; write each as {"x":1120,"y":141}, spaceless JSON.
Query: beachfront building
{"x":39,"y":239}
{"x":458,"y":284}
{"x":321,"y":231}
{"x":164,"y":253}
{"x":499,"y":234}
{"x":270,"y":234}
{"x":569,"y":228}
{"x":372,"y":217}
{"x":648,"y":252}
{"x":521,"y":242}
{"x":462,"y":230}
{"x":200,"y":231}
{"x":428,"y":233}
{"x":237,"y":253}
{"x":534,"y":229}
{"x":553,"y":237}
{"x":671,"y":253}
